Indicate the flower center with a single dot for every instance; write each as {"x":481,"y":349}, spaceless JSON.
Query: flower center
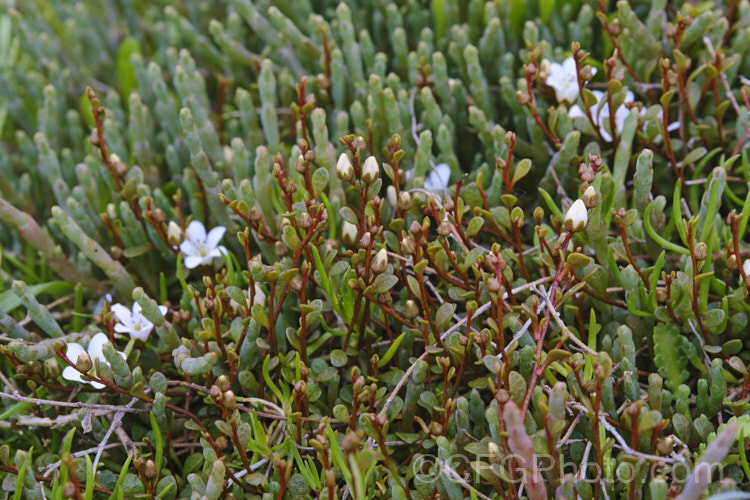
{"x":201,"y":246}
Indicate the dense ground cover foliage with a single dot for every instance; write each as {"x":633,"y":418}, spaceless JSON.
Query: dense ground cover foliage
{"x":408,"y":249}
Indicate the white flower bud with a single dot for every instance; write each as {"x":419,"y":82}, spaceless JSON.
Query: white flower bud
{"x":391,"y":193}
{"x":576,"y":218}
{"x":344,"y":168}
{"x":174,"y":233}
{"x":349,"y":233}
{"x":370,"y":170}
{"x":259,"y":297}
{"x":746,"y":267}
{"x":590,"y":197}
{"x":380,"y":261}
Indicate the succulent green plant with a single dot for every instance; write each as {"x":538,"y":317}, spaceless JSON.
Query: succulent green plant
{"x":374,"y":249}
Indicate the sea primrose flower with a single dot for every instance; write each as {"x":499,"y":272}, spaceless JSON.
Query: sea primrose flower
{"x":201,"y":248}
{"x":564,"y":79}
{"x":133,"y":322}
{"x":600,"y":115}
{"x":94,"y":351}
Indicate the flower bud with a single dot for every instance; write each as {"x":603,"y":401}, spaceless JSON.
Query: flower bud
{"x":390,"y":191}
{"x":215,"y":392}
{"x":223,"y":383}
{"x":746,"y":267}
{"x":150,"y":470}
{"x":174,"y":233}
{"x":84,"y":364}
{"x":305,"y":220}
{"x":404,"y":200}
{"x":370,"y":170}
{"x":230,"y":400}
{"x":344,"y":168}
{"x":349,"y":233}
{"x":53,"y":368}
{"x":731,"y":263}
{"x":259,"y":296}
{"x":590,"y":197}
{"x":69,"y":490}
{"x":410,"y":309}
{"x":522,"y":97}
{"x":380,"y":262}
{"x":408,"y":246}
{"x":701,"y":251}
{"x":444,"y":229}
{"x":576,"y":217}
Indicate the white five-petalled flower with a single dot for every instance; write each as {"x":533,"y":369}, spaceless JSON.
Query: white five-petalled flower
{"x":201,"y":248}
{"x":564,"y":79}
{"x":94,"y":351}
{"x":576,"y":217}
{"x":133,"y":322}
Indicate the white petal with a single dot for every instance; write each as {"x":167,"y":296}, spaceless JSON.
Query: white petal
{"x":195,"y":231}
{"x":120,"y":328}
{"x":556,"y":72}
{"x":142,"y":334}
{"x":569,"y":66}
{"x":217,"y":252}
{"x":96,"y":385}
{"x":673,"y":126}
{"x":576,"y":111}
{"x":188,"y":248}
{"x":193,"y":261}
{"x":96,"y":344}
{"x":74,"y":350}
{"x":568,"y":93}
{"x":163,"y":310}
{"x":123,"y":314}
{"x":70,"y":373}
{"x":438,"y":179}
{"x":137,"y":309}
{"x":215,"y":236}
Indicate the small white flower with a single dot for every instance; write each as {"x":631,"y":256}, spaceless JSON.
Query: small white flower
{"x":95,"y":351}
{"x":437,"y":181}
{"x":370,"y":170}
{"x":564,"y":79}
{"x":201,"y":248}
{"x":746,"y":267}
{"x":344,"y":168}
{"x":601,"y":118}
{"x":133,"y":322}
{"x":576,"y":217}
